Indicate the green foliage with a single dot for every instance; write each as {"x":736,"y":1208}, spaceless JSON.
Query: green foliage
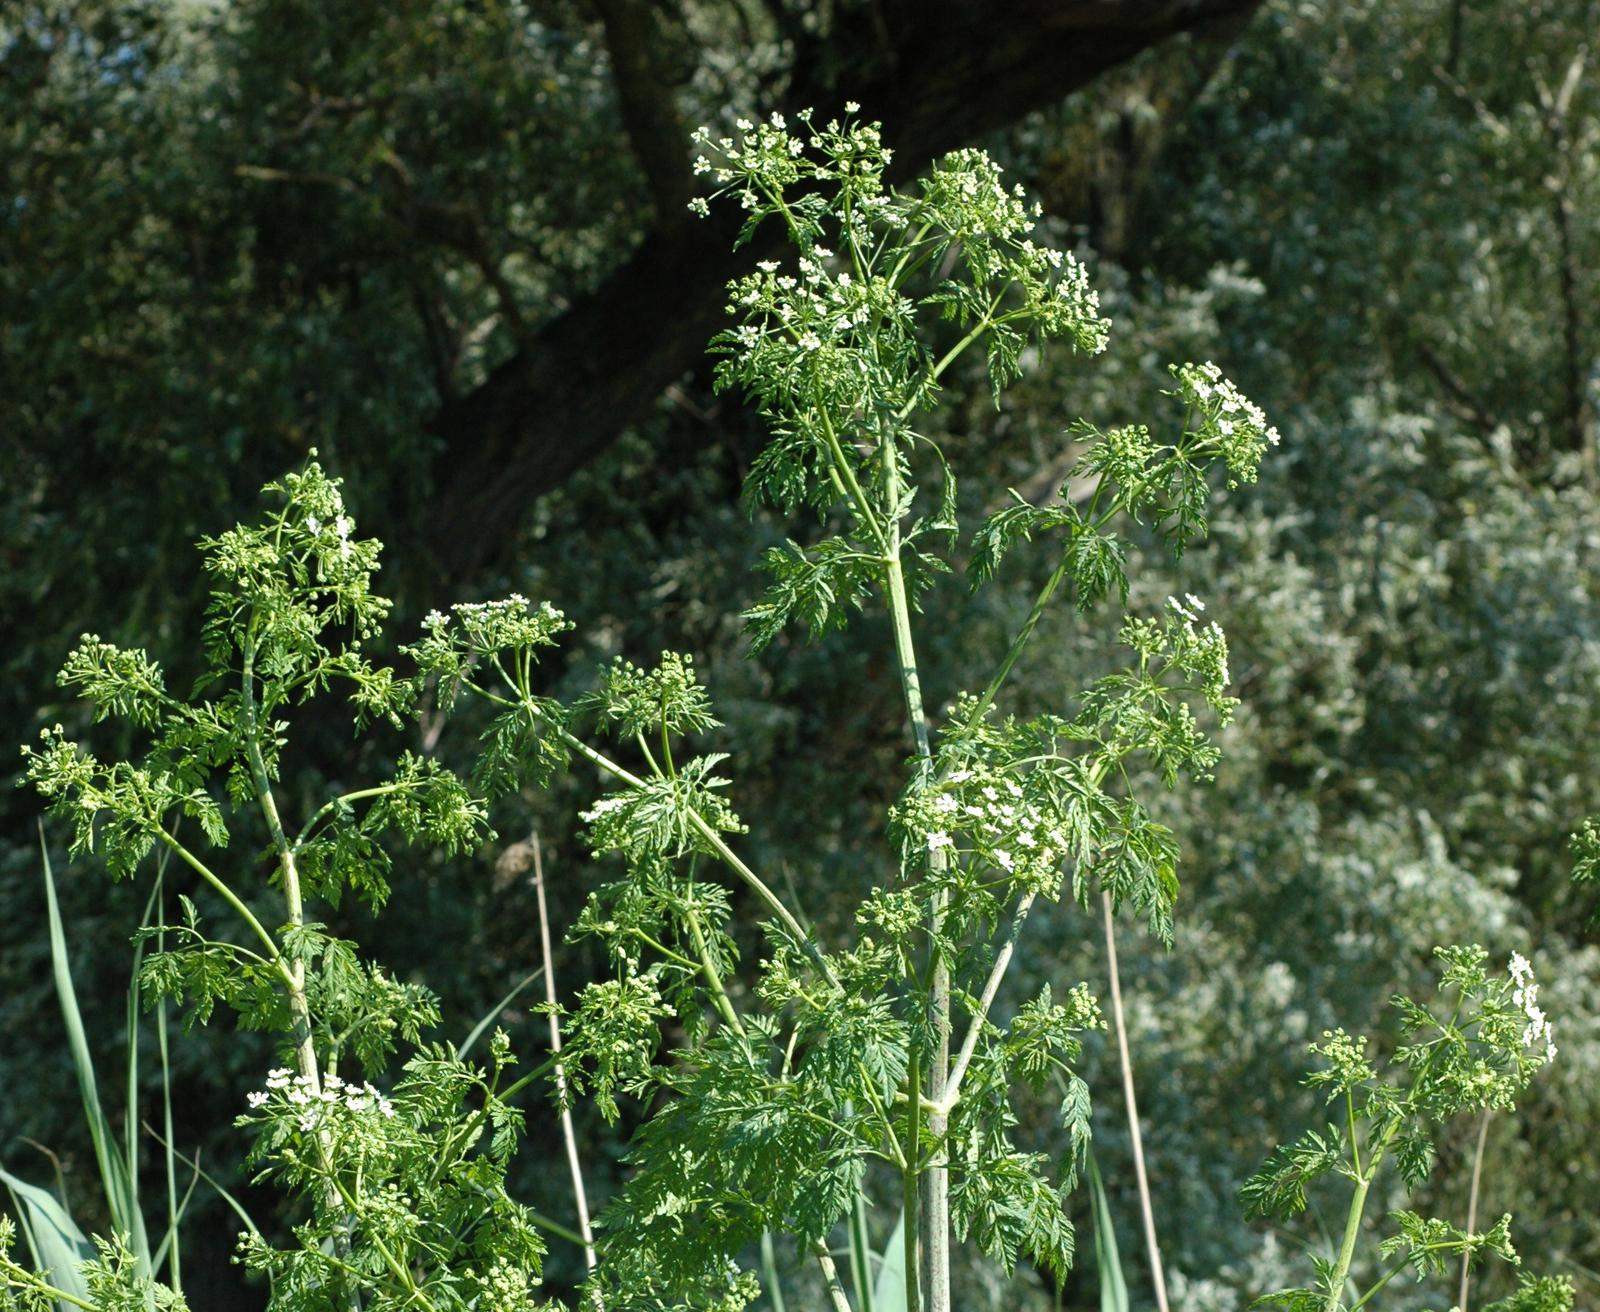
{"x":767,"y":1105}
{"x":405,"y":1190}
{"x":1350,"y":205}
{"x":1479,"y":1059}
{"x":1538,"y":1294}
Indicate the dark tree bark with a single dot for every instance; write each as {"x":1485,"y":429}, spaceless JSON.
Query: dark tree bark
{"x":939,"y":73}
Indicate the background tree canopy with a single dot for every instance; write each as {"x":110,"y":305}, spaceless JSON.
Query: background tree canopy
{"x":447,"y":245}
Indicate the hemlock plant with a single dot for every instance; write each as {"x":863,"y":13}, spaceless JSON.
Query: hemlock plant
{"x":879,"y":1059}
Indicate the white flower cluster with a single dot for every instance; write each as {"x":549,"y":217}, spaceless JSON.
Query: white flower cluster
{"x":1082,"y":304}
{"x":1204,"y":648}
{"x":1525,"y":993}
{"x":768,"y":157}
{"x":966,"y":192}
{"x":803,"y":314}
{"x":484,"y":626}
{"x":1004,"y":828}
{"x":312,"y":1104}
{"x":341,"y":527}
{"x":515,"y":604}
{"x":505,"y":1285}
{"x":1237,"y":424}
{"x":604,"y":807}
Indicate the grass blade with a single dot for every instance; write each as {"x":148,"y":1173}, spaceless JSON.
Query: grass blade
{"x":1108,"y":1262}
{"x":193,"y":1163}
{"x":889,"y":1290}
{"x":121,"y":1197}
{"x":493,"y":1013}
{"x":170,"y":1245}
{"x":861,"y":1255}
{"x":52,"y":1235}
{"x":769,"y":1268}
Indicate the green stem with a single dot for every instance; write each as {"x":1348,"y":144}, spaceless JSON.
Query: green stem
{"x":984,"y":702}
{"x":447,"y":1150}
{"x":992,"y":690}
{"x":677,"y":958}
{"x":274,"y":956}
{"x":883,"y":1115}
{"x":396,"y":1268}
{"x":724,"y":853}
{"x":558,"y":1230}
{"x":15,"y":1275}
{"x":847,"y":471}
{"x":986,"y":1000}
{"x":1383,"y":1280}
{"x":769,"y":1265}
{"x":950,"y":357}
{"x":299,"y":1006}
{"x":361,"y":794}
{"x":517,"y":1086}
{"x":719,"y":995}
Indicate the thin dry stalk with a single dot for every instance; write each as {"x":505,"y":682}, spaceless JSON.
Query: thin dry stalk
{"x":567,"y":1132}
{"x":1472,"y":1206}
{"x":1152,"y":1246}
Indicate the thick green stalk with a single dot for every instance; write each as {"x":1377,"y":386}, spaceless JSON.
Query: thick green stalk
{"x":861,"y":1253}
{"x":305,"y":1048}
{"x":935,"y":1202}
{"x":1352,"y":1230}
{"x":719,"y":995}
{"x":769,"y":1267}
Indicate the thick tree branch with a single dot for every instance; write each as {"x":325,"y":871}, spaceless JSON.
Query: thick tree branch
{"x":939,"y":73}
{"x":1558,"y":110}
{"x":649,"y":112}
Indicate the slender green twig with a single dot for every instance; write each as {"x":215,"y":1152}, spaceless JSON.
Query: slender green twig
{"x":991,"y":987}
{"x":299,"y":1006}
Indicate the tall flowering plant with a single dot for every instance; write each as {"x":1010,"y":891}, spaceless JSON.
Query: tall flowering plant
{"x":883,"y":1059}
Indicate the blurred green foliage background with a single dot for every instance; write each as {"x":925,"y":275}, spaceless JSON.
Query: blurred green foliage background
{"x":444,"y":243}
